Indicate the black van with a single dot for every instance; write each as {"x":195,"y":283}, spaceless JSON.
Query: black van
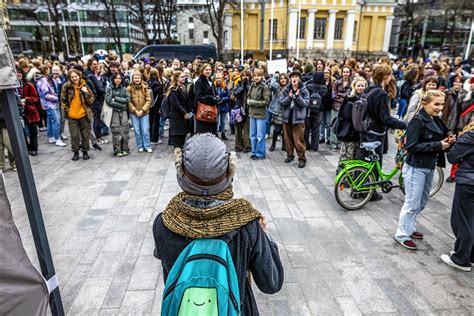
{"x":182,"y":52}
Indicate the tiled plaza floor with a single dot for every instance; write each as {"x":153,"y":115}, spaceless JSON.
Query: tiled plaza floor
{"x":99,"y":214}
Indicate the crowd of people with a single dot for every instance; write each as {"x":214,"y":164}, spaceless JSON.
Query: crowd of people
{"x":309,"y":105}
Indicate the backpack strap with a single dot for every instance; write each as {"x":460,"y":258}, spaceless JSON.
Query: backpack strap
{"x":229,"y":236}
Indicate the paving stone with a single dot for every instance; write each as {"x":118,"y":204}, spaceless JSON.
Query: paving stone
{"x":137,"y":302}
{"x":145,"y":274}
{"x":91,"y":296}
{"x":99,"y":216}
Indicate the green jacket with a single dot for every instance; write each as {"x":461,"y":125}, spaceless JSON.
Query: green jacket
{"x":117,"y":98}
{"x":258,"y":99}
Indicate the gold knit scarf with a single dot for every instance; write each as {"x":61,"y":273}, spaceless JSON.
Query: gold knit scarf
{"x":225,"y":215}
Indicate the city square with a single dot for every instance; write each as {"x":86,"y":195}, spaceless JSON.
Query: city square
{"x":99,"y":215}
{"x":224,"y":157}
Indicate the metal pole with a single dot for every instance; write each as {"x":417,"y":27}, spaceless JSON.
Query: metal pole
{"x":51,"y":32}
{"x":80,"y":31}
{"x":8,"y":102}
{"x":298,"y":26}
{"x":262,"y":25}
{"x":271,"y":29}
{"x":65,"y":34}
{"x":242,"y":32}
{"x":468,"y":47}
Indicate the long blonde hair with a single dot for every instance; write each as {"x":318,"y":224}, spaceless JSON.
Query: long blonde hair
{"x":174,"y":81}
{"x":353,"y":85}
{"x":469,"y":127}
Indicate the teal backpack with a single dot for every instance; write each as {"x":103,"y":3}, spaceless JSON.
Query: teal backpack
{"x":203,"y":281}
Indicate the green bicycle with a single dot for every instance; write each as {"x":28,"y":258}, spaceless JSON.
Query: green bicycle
{"x":356,"y":181}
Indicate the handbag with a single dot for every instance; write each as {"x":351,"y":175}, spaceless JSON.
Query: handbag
{"x":235,"y":116}
{"x":106,"y":115}
{"x":206,"y":113}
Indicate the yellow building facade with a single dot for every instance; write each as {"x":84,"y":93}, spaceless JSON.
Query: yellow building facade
{"x":327,"y":26}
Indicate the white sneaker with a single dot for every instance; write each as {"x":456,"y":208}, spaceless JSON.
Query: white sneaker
{"x":447,"y":259}
{"x":59,"y":143}
{"x":149,"y":150}
{"x":266,"y":136}
{"x":140,"y":150}
{"x":63,"y":137}
{"x":51,"y":140}
{"x":452,"y":252}
{"x":159,"y":141}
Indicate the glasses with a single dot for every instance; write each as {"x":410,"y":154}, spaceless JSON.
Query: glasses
{"x":220,"y":69}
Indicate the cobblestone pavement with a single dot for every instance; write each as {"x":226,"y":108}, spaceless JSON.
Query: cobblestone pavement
{"x":99,"y":215}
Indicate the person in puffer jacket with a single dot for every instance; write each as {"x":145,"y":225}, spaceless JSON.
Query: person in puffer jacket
{"x":294,"y":102}
{"x":117,"y":97}
{"x":139,"y":107}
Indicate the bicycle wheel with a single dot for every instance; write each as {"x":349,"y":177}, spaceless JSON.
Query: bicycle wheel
{"x":438,"y":180}
{"x":348,"y":197}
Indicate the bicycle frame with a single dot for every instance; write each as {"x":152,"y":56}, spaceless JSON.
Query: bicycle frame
{"x":358,"y":183}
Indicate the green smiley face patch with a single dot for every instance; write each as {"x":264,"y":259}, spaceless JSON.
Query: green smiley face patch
{"x":199,"y":301}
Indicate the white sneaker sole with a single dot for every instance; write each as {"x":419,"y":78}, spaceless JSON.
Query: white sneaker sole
{"x":447,"y":259}
{"x":452,"y":253}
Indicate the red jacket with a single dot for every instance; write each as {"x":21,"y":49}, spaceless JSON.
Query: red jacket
{"x":31,"y":100}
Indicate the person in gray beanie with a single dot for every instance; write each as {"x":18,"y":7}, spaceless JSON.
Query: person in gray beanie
{"x":206,"y":209}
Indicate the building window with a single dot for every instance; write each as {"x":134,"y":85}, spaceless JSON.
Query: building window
{"x":302,"y":28}
{"x":191,"y":33}
{"x":354,"y":38}
{"x":338,"y":31}
{"x":205,"y":34}
{"x":320,"y":28}
{"x":191,"y":19}
{"x":275,"y":28}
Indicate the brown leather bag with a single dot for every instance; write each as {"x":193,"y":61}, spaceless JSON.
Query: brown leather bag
{"x":206,"y":113}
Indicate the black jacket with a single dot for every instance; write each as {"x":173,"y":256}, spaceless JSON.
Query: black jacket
{"x":251,"y":250}
{"x":179,"y":105}
{"x":99,"y":89}
{"x":316,"y":84}
{"x":204,"y":92}
{"x":379,"y":111}
{"x":463,"y":153}
{"x":157,"y":88}
{"x":327,"y":100}
{"x":344,"y":129}
{"x":424,"y":136}
{"x":406,"y":90}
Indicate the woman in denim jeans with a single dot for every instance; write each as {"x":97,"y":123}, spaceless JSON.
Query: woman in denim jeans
{"x":427,"y":139}
{"x":139,"y":108}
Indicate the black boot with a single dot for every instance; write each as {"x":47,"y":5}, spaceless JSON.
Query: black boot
{"x":274,"y":141}
{"x":283,"y":144}
{"x":85,"y":155}
{"x":75,"y":157}
{"x":223,"y":137}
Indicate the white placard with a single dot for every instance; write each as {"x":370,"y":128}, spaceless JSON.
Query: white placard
{"x":277,"y":65}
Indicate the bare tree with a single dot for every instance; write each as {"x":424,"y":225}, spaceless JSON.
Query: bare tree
{"x":215,"y":19}
{"x":165,"y":10}
{"x":456,"y":13}
{"x":110,"y":16}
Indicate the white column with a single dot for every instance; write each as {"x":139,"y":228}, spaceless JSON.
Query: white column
{"x":331,"y":29}
{"x":310,"y":32}
{"x":388,"y":32}
{"x":228,"y":31}
{"x":349,"y":33}
{"x":292,"y":18}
